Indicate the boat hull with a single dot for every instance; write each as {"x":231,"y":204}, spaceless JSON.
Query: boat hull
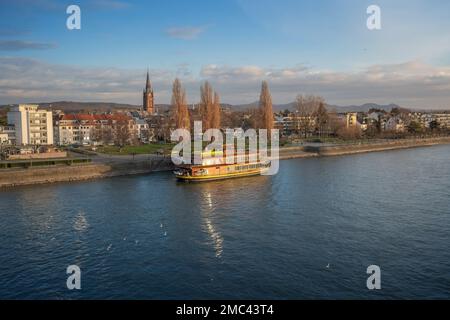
{"x":219,"y":177}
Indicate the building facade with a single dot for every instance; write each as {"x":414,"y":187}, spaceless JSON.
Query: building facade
{"x":443,"y":120}
{"x":8,"y":135}
{"x":88,"y":129}
{"x":352,"y":119}
{"x":32,"y":126}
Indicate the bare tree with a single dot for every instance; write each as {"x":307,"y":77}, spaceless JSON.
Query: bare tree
{"x":215,"y":112}
{"x":306,"y":107}
{"x":349,"y":133}
{"x":335,"y":124}
{"x":107,"y":135}
{"x":234,"y":119}
{"x":179,"y":105}
{"x":122,"y":133}
{"x":265,"y":105}
{"x":321,"y":118}
{"x":96,"y":133}
{"x":102,"y":134}
{"x":206,"y":105}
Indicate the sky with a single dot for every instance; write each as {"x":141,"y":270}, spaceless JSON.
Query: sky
{"x":318,"y":47}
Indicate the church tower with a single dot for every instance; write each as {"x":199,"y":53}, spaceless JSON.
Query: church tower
{"x":148,"y":104}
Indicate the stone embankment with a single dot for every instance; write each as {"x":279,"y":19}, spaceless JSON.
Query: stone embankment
{"x":338,"y":150}
{"x":78,"y":172}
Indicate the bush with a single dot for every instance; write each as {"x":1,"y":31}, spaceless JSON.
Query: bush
{"x":350,"y":133}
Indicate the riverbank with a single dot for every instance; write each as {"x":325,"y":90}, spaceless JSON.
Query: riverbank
{"x":109,"y":166}
{"x":340,"y":150}
{"x":80,"y":172}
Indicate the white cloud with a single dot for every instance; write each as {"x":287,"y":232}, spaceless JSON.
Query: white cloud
{"x":185,"y":33}
{"x":17,"y":45}
{"x":410,"y":84}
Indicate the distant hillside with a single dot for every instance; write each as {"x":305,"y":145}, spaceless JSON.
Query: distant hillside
{"x":70,"y":106}
{"x":363,"y":108}
{"x":291,"y":106}
{"x":254,"y":105}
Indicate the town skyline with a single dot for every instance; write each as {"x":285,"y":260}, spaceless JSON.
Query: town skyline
{"x":287,"y":43}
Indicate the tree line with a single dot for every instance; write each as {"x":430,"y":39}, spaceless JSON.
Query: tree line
{"x":210,"y":109}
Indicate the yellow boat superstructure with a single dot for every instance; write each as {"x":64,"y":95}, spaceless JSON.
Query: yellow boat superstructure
{"x":216,"y":168}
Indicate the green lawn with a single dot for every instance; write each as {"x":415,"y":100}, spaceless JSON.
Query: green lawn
{"x":142,"y":149}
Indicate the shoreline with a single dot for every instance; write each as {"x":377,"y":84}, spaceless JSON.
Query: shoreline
{"x":333,"y":151}
{"x":80,"y":172}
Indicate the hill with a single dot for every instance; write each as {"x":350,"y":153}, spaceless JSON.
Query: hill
{"x":72,"y":106}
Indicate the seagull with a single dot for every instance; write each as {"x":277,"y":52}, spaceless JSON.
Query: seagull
{"x":109,"y":247}
{"x":161,"y":225}
{"x":124,"y":238}
{"x":165,"y":233}
{"x":328,"y":266}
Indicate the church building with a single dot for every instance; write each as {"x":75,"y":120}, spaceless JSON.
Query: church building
{"x":149,"y":102}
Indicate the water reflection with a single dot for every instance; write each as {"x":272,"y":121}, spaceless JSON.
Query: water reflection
{"x":207,"y":213}
{"x":80,"y":224}
{"x":221,"y":199}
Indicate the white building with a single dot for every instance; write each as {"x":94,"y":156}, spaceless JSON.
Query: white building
{"x":7,"y":135}
{"x":31,"y":125}
{"x":395,"y":124}
{"x":4,"y":138}
{"x":141,"y":127}
{"x":443,"y":119}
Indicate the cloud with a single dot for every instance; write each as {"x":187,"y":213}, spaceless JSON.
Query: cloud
{"x":185,"y":33}
{"x":410,"y":84}
{"x":110,"y":4}
{"x":17,"y":45}
{"x":28,"y":80}
{"x":12,"y":31}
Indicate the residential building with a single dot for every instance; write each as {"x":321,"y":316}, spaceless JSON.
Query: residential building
{"x":74,"y":129}
{"x":32,"y":126}
{"x":141,"y":128}
{"x":4,"y":138}
{"x":395,"y":124}
{"x":352,"y":119}
{"x":8,"y":135}
{"x":443,"y":119}
{"x":85,"y":129}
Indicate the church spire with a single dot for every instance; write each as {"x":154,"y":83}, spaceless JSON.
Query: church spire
{"x":148,"y":85}
{"x":148,"y":103}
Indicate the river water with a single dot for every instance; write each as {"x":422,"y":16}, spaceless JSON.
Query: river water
{"x":151,"y":237}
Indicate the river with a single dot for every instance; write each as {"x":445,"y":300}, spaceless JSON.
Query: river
{"x":309,"y":232}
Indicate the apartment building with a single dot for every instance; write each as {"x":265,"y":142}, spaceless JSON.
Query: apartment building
{"x":32,"y":126}
{"x":443,"y":119}
{"x":85,"y":129}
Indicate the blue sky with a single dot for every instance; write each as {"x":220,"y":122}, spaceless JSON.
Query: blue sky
{"x":321,"y":47}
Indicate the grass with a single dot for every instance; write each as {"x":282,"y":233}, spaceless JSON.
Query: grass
{"x":152,"y":148}
{"x":142,"y":149}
